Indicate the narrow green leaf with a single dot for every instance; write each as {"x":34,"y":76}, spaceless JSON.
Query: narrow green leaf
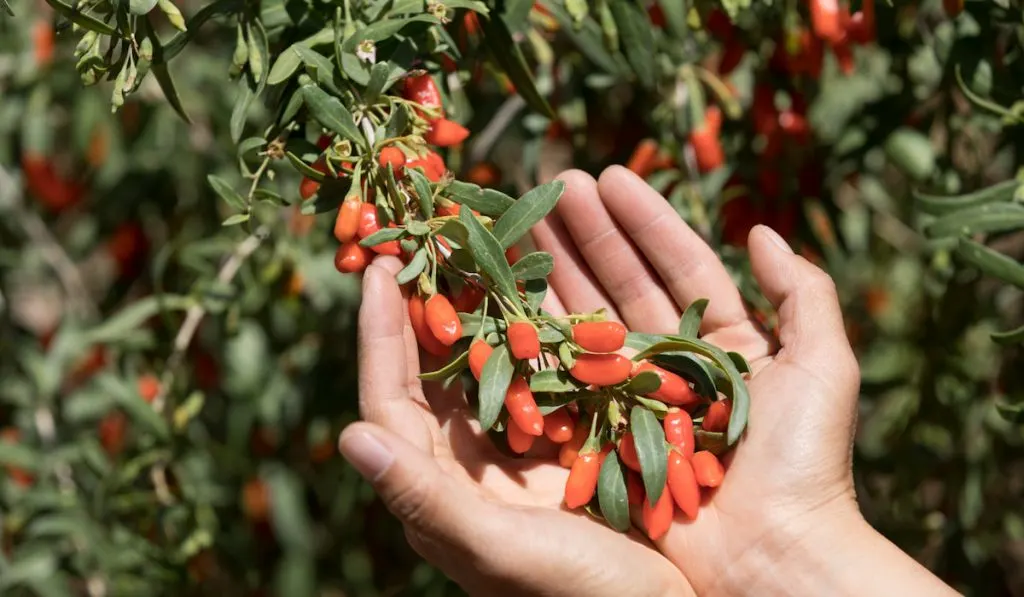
{"x":141,"y":7}
{"x":6,"y":8}
{"x":689,"y":324}
{"x":486,"y":201}
{"x":549,"y":403}
{"x":160,"y":70}
{"x":534,"y":266}
{"x":382,"y":236}
{"x":133,"y":316}
{"x":303,"y":168}
{"x":675,"y":18}
{"x":938,"y":205}
{"x":555,"y":381}
{"x":241,"y":110}
{"x":643,"y":383}
{"x":423,"y":195}
{"x":489,"y":254}
{"x":689,"y":366}
{"x":649,"y":438}
{"x":996,"y":217}
{"x":83,"y":20}
{"x":235,"y":220}
{"x":226,"y":192}
{"x":509,"y":56}
{"x":414,"y":268}
{"x":269,"y":196}
{"x":259,"y":55}
{"x":453,"y":367}
{"x":739,"y":361}
{"x":137,"y":409}
{"x":611,"y":493}
{"x":378,"y":79}
{"x":587,"y":38}
{"x":285,"y":66}
{"x":384,"y":29}
{"x":494,"y":381}
{"x":990,"y":262}
{"x":20,"y":456}
{"x":330,"y":112}
{"x":654,"y":405}
{"x":912,"y":152}
{"x":636,"y":33}
{"x":527,"y":211}
{"x":1015,"y":336}
{"x":181,"y":39}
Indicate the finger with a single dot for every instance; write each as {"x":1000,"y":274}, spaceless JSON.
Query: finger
{"x":571,"y":279}
{"x":384,"y":396}
{"x":412,"y":349}
{"x":433,"y":506}
{"x":811,"y":329}
{"x":621,"y":269}
{"x":688,"y":266}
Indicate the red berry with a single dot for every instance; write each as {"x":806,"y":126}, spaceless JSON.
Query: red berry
{"x":367,"y":220}
{"x":707,"y":469}
{"x":352,"y":258}
{"x":443,"y":321}
{"x":599,"y":336}
{"x":673,"y":390}
{"x":717,"y":417}
{"x":518,"y":440}
{"x":558,"y":426}
{"x":479,"y":352}
{"x":523,"y":340}
{"x":682,"y":484}
{"x":570,"y":450}
{"x":347,"y":222}
{"x":582,"y":482}
{"x":634,"y":489}
{"x":111,"y":432}
{"x":422,"y":90}
{"x":658,"y":518}
{"x":601,"y":369}
{"x":522,"y":408}
{"x":679,"y":431}
{"x":627,"y":452}
{"x":469,"y":299}
{"x":826,"y":21}
{"x":391,"y":156}
{"x":149,"y":387}
{"x":425,"y":337}
{"x":445,"y":133}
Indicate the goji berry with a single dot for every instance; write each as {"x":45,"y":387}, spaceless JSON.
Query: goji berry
{"x":570,"y":450}
{"x":682,"y":484}
{"x":518,"y":440}
{"x":422,"y":90}
{"x":323,"y":142}
{"x":426,"y":338}
{"x":707,"y":469}
{"x":308,"y":187}
{"x":149,"y":387}
{"x":558,"y":426}
{"x":367,"y":220}
{"x":601,"y":369}
{"x":634,"y":489}
{"x":436,"y":162}
{"x":442,"y":320}
{"x":641,"y":162}
{"x":347,"y":222}
{"x":599,"y":336}
{"x":111,"y":433}
{"x":707,"y":147}
{"x":512,"y":254}
{"x":717,"y":417}
{"x":445,"y":133}
{"x":391,"y":156}
{"x":352,"y":257}
{"x":656,"y":16}
{"x":523,"y":340}
{"x":826,"y":20}
{"x":256,"y":500}
{"x":42,"y":42}
{"x":582,"y":481}
{"x":469,"y":298}
{"x":658,"y":518}
{"x":679,"y":431}
{"x":484,"y":174}
{"x":391,"y":247}
{"x":674,"y":390}
{"x":627,"y":452}
{"x":479,"y":352}
{"x":522,"y":408}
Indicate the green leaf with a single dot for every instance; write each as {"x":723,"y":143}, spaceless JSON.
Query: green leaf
{"x":555,"y":381}
{"x":285,"y":66}
{"x":1009,"y":337}
{"x":83,"y":20}
{"x":651,"y":404}
{"x":938,"y":205}
{"x":453,"y":367}
{"x":226,"y":192}
{"x":140,"y":7}
{"x":643,"y":383}
{"x":739,"y":361}
{"x":535,"y":291}
{"x":304,"y":168}
{"x":20,"y":456}
{"x":330,"y":112}
{"x":384,"y":29}
{"x":133,"y":316}
{"x":649,"y":438}
{"x":422,"y":187}
{"x":509,"y":56}
{"x":494,"y":381}
{"x":996,"y":217}
{"x":527,"y":211}
{"x":137,"y":409}
{"x":738,"y":388}
{"x":533,"y":266}
{"x":241,"y":110}
{"x":675,"y":18}
{"x":415,"y":266}
{"x":236,"y":219}
{"x":911,"y":152}
{"x":6,"y":8}
{"x":549,"y":403}
{"x":636,"y":33}
{"x":259,"y":53}
{"x":1013,"y":413}
{"x":588,"y":39}
{"x":378,"y":79}
{"x":991,"y":262}
{"x":291,"y":521}
{"x":611,"y":493}
{"x":486,"y":201}
{"x":690,"y":367}
{"x":181,"y":39}
{"x":689,"y":324}
{"x":382,"y":236}
{"x":489,"y":254}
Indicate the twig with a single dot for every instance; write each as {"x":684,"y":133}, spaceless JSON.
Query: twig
{"x":194,"y":315}
{"x":70,"y":278}
{"x":489,"y":136}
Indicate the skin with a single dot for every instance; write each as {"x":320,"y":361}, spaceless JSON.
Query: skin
{"x":784,"y":521}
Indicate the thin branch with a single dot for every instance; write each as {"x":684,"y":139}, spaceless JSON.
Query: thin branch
{"x":70,"y":278}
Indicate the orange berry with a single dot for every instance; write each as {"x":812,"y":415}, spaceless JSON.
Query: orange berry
{"x":348,"y":219}
{"x":391,"y":156}
{"x":111,"y":433}
{"x":445,"y":133}
{"x":443,"y":321}
{"x":256,"y":500}
{"x":484,"y":174}
{"x":558,"y":426}
{"x":599,"y":336}
{"x":522,"y":408}
{"x":679,"y":431}
{"x":518,"y":440}
{"x":582,"y":481}
{"x":682,"y":484}
{"x":601,"y":369}
{"x":707,"y":469}
{"x":426,"y":338}
{"x":635,"y":491}
{"x":658,"y":518}
{"x":570,"y":450}
{"x":627,"y":452}
{"x":673,"y":389}
{"x":717,"y":417}
{"x":523,"y":340}
{"x":479,"y":352}
{"x":149,"y":387}
{"x":352,"y":258}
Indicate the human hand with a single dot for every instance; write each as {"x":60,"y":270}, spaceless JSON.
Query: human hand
{"x":492,"y":523}
{"x":788,"y":496}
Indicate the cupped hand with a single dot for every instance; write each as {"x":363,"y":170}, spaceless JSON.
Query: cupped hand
{"x":492,"y":523}
{"x":620,"y":246}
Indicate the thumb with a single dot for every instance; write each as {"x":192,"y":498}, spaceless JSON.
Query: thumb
{"x":414,"y":488}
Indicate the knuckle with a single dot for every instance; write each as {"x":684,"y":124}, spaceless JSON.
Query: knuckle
{"x":821,"y":282}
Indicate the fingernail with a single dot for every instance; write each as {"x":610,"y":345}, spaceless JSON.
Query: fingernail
{"x":776,"y":239}
{"x":368,"y":455}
